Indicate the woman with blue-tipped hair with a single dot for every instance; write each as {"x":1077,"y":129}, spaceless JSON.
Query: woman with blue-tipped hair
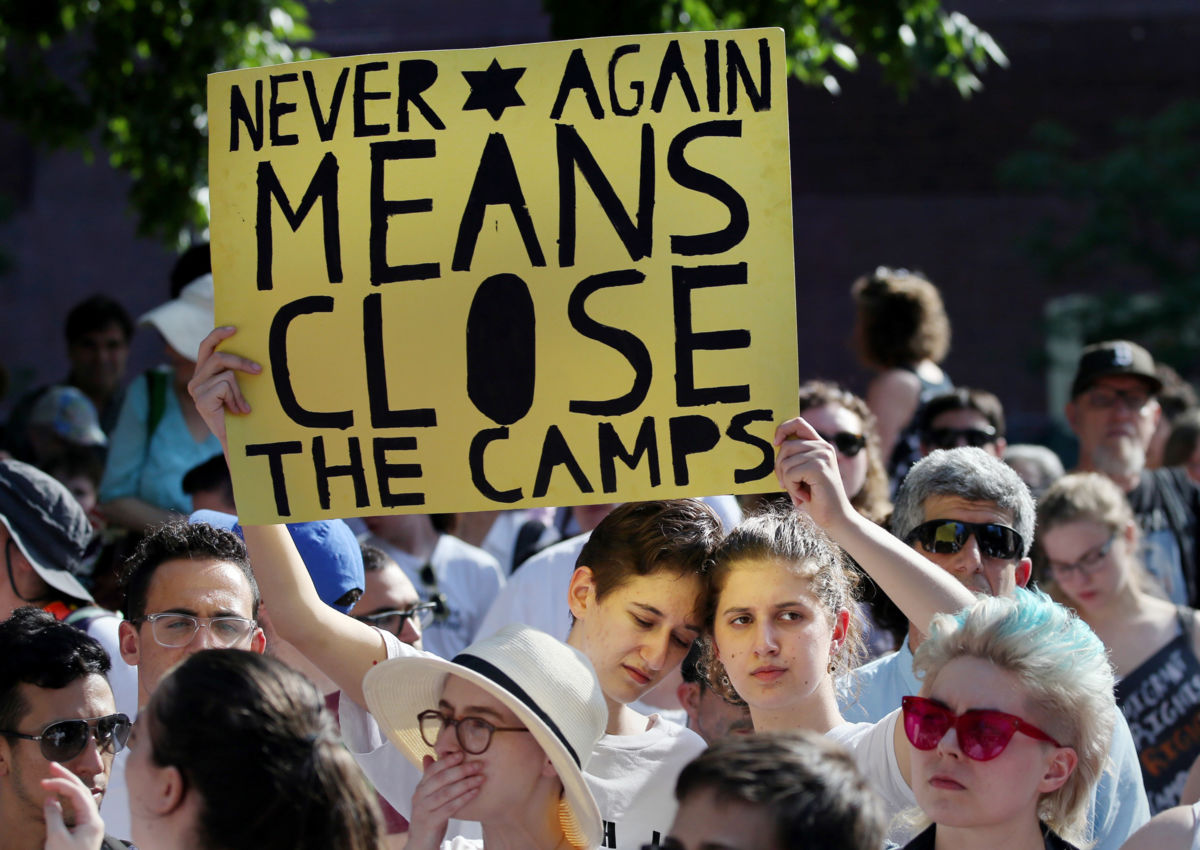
{"x":1011,"y":729}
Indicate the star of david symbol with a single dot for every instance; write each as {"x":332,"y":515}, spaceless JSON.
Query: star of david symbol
{"x":494,"y":89}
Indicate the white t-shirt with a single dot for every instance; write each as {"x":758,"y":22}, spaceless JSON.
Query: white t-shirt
{"x":502,"y":537}
{"x":468,"y":576}
{"x":632,"y":777}
{"x":123,"y":680}
{"x":536,"y":594}
{"x":460,"y":843}
{"x":874,"y":750}
{"x":114,"y":808}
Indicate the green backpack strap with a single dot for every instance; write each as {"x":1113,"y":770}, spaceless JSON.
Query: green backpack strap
{"x":158,"y":384}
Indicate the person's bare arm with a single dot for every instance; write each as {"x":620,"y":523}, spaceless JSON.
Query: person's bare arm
{"x":1191,"y":788}
{"x":135,"y":514}
{"x":807,"y":468}
{"x":340,"y":646}
{"x":1171,"y":829}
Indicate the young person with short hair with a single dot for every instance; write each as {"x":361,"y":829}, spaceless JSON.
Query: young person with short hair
{"x":773,"y":791}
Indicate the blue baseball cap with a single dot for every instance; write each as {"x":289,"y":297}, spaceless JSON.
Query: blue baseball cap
{"x":329,"y":550}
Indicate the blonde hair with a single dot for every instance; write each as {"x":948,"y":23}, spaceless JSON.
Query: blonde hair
{"x":1088,"y":497}
{"x":1065,"y":676}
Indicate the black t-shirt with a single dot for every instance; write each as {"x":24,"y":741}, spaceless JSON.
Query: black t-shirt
{"x":1166,"y":504}
{"x":925,"y":840}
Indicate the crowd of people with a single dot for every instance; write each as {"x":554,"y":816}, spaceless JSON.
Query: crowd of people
{"x":931,"y":638}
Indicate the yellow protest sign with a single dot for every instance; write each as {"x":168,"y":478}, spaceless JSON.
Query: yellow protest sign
{"x":545,"y":274}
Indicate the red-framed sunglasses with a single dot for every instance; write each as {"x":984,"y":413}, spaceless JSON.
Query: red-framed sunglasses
{"x":982,"y":734}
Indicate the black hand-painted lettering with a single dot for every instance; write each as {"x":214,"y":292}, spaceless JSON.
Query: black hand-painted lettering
{"x":416,"y":76}
{"x":352,"y":469}
{"x":278,"y":109}
{"x":479,"y":444}
{"x":712,"y":74}
{"x":382,"y":209}
{"x":361,"y":95}
{"x":274,"y":453}
{"x":577,"y":75}
{"x":556,"y":452}
{"x":690,"y":435}
{"x":690,"y":177}
{"x":636,"y":86}
{"x":673,"y":68}
{"x":386,"y":472}
{"x":760,"y":95}
{"x":382,"y":415}
{"x":684,"y":281}
{"x":619,"y":339}
{"x":324,"y":186}
{"x":495,"y":183}
{"x":326,"y":123}
{"x":737,"y":431}
{"x":611,"y":448}
{"x":282,"y":374}
{"x":239,"y":115}
{"x":574,"y":153}
{"x":502,"y":349}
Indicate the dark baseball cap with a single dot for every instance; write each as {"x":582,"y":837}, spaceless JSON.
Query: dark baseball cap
{"x":1114,"y":357}
{"x":49,"y":527}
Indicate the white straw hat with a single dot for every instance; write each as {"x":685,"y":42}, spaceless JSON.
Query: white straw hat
{"x":185,"y":321}
{"x":550,"y":686}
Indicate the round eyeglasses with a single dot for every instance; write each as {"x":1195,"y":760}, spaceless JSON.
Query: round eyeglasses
{"x":176,"y":630}
{"x":1087,"y":564}
{"x":474,"y":733}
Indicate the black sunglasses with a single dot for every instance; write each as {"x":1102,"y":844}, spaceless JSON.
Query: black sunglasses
{"x":845,"y":442}
{"x":951,"y":438}
{"x":64,"y":740}
{"x":947,"y":536}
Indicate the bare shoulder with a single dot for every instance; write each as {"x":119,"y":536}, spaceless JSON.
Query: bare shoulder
{"x":896,"y":383}
{"x":892,"y":397}
{"x":1171,"y":829}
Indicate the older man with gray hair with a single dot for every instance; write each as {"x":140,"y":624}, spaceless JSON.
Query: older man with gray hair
{"x":973,"y":516}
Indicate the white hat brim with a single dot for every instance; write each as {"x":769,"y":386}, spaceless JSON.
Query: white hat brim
{"x":399,"y":689}
{"x":185,"y":321}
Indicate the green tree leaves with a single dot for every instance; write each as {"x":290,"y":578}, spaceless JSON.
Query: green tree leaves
{"x":131,"y":75}
{"x":911,"y":40}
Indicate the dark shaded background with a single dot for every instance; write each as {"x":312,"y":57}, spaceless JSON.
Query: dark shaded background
{"x":874,"y":180}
